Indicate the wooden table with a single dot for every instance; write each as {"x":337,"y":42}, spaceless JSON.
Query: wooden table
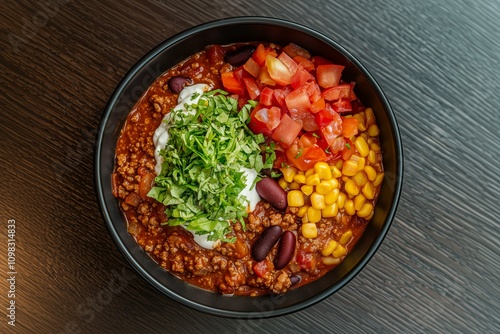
{"x":438,"y":268}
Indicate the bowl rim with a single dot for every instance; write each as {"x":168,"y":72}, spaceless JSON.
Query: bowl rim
{"x":98,"y":182}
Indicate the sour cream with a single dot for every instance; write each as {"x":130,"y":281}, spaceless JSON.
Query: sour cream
{"x":191,"y":95}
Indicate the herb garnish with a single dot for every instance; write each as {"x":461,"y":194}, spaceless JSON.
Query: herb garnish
{"x":202,"y":176}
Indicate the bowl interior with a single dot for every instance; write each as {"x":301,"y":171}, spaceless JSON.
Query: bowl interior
{"x":228,"y":31}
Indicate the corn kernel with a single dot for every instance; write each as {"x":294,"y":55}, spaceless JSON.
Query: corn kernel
{"x":370,"y":117}
{"x":361,"y":164}
{"x":360,"y":178}
{"x":373,"y":130}
{"x":283,"y":184}
{"x":334,"y":183}
{"x":351,"y":188}
{"x":360,"y":116}
{"x":313,"y":215}
{"x":302,"y":211}
{"x":365,"y":211}
{"x":339,"y":251}
{"x":307,"y":190}
{"x":294,"y":186}
{"x":350,"y":168}
{"x":330,"y":210}
{"x":330,"y":261}
{"x":375,"y":147}
{"x":341,"y":200}
{"x":359,"y":201}
{"x":299,"y":178}
{"x":371,"y":173}
{"x":349,"y":207}
{"x":361,"y":146}
{"x":370,"y":215}
{"x":309,"y":172}
{"x":289,"y":173}
{"x":346,"y":237}
{"x":378,"y":180}
{"x":372,"y":157}
{"x":318,"y":200}
{"x":329,"y":248}
{"x":324,"y":187}
{"x":368,"y":191}
{"x":339,"y":164}
{"x":336,"y":173}
{"x":295,"y":198}
{"x":309,"y":230}
{"x":312,"y":180}
{"x":323,"y":170}
{"x":332,"y":196}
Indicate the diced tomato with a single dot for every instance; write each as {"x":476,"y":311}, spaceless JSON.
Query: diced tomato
{"x":305,"y":259}
{"x":289,"y":62}
{"x":261,"y":52}
{"x":264,"y":120}
{"x":264,"y":77}
{"x":252,"y":67}
{"x":323,"y":118}
{"x":280,"y":95}
{"x":297,"y":102}
{"x":318,"y":105}
{"x":343,"y":91}
{"x":262,"y":268}
{"x":306,"y":63}
{"x":294,"y":50}
{"x":252,"y":87}
{"x":287,"y":131}
{"x":349,"y":127}
{"x":304,"y":153}
{"x":266,"y":96}
{"x":300,"y":77}
{"x":313,"y":91}
{"x":338,"y":145}
{"x":317,"y":60}
{"x":332,"y":130}
{"x":232,"y":84}
{"x":329,"y":75}
{"x":270,"y":116}
{"x":342,"y":105}
{"x":278,"y":71}
{"x":347,"y":149}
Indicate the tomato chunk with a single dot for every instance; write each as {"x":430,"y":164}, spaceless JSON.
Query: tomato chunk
{"x":252,"y":67}
{"x":261,"y":52}
{"x":232,"y":84}
{"x":306,"y":63}
{"x":278,"y":71}
{"x":262,"y":268}
{"x":287,"y":131}
{"x":349,"y":126}
{"x":297,"y":102}
{"x":329,"y":75}
{"x":343,"y":91}
{"x":264,"y":119}
{"x":252,"y":87}
{"x":266,"y":96}
{"x":294,"y":50}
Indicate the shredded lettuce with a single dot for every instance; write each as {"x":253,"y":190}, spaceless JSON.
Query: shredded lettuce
{"x":202,"y":176}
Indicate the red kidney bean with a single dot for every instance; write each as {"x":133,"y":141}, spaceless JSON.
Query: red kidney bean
{"x":265,"y":242}
{"x":286,"y":248}
{"x":272,"y":192}
{"x":176,"y":84}
{"x":239,"y":56}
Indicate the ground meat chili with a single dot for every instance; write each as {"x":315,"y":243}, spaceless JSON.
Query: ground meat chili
{"x":330,"y":170}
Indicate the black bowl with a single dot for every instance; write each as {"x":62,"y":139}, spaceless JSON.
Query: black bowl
{"x":246,"y":29}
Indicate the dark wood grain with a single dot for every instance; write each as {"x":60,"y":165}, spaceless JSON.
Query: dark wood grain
{"x":437,"y":271}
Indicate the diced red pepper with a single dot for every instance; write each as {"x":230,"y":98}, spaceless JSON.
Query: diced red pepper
{"x":232,"y":84}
